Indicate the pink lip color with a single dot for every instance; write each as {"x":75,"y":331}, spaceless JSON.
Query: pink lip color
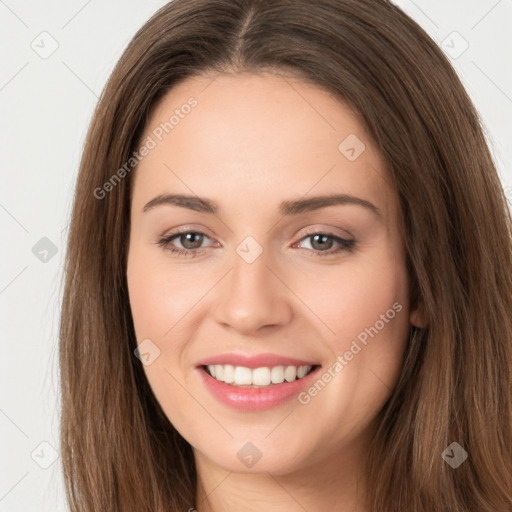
{"x":255,"y":399}
{"x":256,"y":361}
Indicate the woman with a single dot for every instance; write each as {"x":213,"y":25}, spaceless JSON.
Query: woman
{"x":288,"y":280}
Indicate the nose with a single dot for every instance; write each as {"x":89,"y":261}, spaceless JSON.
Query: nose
{"x":252,"y":297}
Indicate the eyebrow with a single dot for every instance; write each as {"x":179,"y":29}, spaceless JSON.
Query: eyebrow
{"x":286,"y":208}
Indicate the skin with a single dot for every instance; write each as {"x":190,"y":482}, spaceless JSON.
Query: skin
{"x":251,"y":142}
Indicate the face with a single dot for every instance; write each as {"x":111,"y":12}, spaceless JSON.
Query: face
{"x":266,"y":249}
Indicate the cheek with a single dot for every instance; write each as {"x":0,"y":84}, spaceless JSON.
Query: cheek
{"x":352,"y":297}
{"x":158,"y":301}
{"x":159,"y":297}
{"x":366,"y":309}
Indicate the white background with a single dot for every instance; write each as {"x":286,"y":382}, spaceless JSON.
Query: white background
{"x":45,"y":109}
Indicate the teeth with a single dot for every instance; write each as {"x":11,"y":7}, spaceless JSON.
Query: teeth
{"x":264,"y":376}
{"x":261,"y":376}
{"x":290,"y":373}
{"x":229,"y":373}
{"x":277,"y":374}
{"x":219,"y":372}
{"x":302,"y":371}
{"x":243,"y":376}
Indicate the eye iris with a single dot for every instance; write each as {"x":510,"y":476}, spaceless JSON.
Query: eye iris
{"x":322,"y":240}
{"x":196,"y":239}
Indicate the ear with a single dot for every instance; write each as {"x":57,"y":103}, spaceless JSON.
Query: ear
{"x":417,"y":317}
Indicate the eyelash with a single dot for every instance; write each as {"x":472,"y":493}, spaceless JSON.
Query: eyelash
{"x":346,"y":245}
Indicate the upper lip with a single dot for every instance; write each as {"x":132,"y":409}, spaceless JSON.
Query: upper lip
{"x":254,"y":361}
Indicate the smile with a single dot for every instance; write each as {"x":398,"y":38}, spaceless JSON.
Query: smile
{"x":255,"y":382}
{"x":241,"y":376}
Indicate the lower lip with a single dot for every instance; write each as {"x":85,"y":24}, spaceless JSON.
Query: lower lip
{"x":255,"y":399}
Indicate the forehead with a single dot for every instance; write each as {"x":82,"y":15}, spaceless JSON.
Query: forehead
{"x":256,"y":138}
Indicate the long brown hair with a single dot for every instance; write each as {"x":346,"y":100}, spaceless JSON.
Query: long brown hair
{"x":119,"y":451}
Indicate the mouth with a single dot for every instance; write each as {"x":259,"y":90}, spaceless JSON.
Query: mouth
{"x":256,"y":383}
{"x":255,"y":378}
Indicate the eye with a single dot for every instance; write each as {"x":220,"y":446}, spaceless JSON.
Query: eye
{"x":322,"y":243}
{"x":190,"y":242}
